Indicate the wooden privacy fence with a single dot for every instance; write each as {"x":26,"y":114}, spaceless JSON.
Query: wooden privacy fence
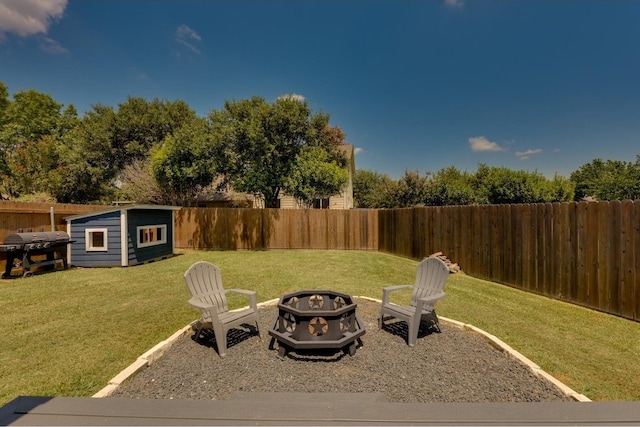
{"x":16,"y":217}
{"x":232,"y":229}
{"x":583,"y":253}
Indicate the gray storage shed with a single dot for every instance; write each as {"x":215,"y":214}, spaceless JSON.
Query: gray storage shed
{"x":122,"y":236}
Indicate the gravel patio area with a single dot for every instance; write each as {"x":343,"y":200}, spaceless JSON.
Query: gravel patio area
{"x":455,"y":365}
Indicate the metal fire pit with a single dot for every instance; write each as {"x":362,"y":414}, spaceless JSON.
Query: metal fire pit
{"x":23,"y":246}
{"x":316,"y":320}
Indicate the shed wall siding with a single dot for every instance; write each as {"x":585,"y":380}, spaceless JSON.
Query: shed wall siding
{"x":79,"y":255}
{"x":143,"y":217}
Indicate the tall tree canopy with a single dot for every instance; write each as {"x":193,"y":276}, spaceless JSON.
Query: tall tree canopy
{"x":31,"y":128}
{"x":107,"y":140}
{"x":449,"y":186}
{"x":315,"y":176}
{"x":184,"y":163}
{"x":608,"y":180}
{"x":371,"y":189}
{"x":258,"y":143}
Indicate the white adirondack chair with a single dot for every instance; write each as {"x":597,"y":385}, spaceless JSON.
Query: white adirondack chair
{"x":205,"y":284}
{"x":431,"y":276}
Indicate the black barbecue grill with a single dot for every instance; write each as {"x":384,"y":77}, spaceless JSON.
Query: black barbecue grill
{"x":23,"y":246}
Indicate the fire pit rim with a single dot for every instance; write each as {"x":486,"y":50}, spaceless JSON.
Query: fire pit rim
{"x":319,"y":312}
{"x":346,"y":341}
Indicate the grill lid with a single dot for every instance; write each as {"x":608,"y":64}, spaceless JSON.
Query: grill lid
{"x":39,"y":237}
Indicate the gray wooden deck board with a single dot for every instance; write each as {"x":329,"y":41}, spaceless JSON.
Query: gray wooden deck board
{"x":308,"y":409}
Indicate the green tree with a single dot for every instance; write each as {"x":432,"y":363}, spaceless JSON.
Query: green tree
{"x":258,"y":142}
{"x":449,"y":186}
{"x":315,"y":176}
{"x":411,"y":190}
{"x":89,"y":158}
{"x":500,"y":185}
{"x":608,"y":180}
{"x":31,"y":126}
{"x":4,"y":102}
{"x":183,"y":165}
{"x":36,"y":167}
{"x":372,"y":190}
{"x":559,"y":189}
{"x":105,"y":141}
{"x":139,"y":125}
{"x":137,"y":183}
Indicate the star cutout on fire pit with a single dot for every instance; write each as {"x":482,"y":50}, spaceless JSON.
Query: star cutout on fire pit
{"x":289,"y":322}
{"x":315,"y":302}
{"x":338,"y":303}
{"x":318,"y":326}
{"x":345,"y":322}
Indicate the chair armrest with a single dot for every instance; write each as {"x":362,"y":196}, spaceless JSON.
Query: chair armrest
{"x":199,"y":304}
{"x":387,"y":290}
{"x":251,"y":295}
{"x":420,"y":302}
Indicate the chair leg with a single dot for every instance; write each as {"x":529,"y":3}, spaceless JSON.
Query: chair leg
{"x":198,"y":330}
{"x":258,"y":329}
{"x":412,"y":333}
{"x":221,"y":340}
{"x":436,"y":322}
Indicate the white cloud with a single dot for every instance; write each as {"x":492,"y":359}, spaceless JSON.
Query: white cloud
{"x":453,"y":3}
{"x":51,"y":46}
{"x":480,"y":143}
{"x":139,"y":74}
{"x":187,"y":37}
{"x":29,"y":17}
{"x":524,"y":155}
{"x":357,"y":151}
{"x":293,"y":96}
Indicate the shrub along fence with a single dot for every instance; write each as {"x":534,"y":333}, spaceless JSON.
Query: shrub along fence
{"x":583,"y":253}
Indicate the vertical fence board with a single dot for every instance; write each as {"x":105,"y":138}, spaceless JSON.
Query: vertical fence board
{"x":556,"y":239}
{"x":515,"y":275}
{"x":631,"y":298}
{"x":485,"y":255}
{"x":525,"y":247}
{"x":613,"y":258}
{"x":627,"y":258}
{"x":496,"y":256}
{"x":573,"y":251}
{"x":471,"y":259}
{"x":548,"y":250}
{"x":532,"y":248}
{"x":592,"y":255}
{"x":433,"y":229}
{"x":581,"y":255}
{"x":604,"y":244}
{"x":562,"y":250}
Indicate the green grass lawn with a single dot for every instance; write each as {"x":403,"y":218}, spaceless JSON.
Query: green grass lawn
{"x":67,"y":333}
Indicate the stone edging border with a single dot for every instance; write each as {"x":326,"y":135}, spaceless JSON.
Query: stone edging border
{"x":157,"y":351}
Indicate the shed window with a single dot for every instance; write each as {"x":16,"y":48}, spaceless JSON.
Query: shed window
{"x":149,"y":235}
{"x":96,"y":239}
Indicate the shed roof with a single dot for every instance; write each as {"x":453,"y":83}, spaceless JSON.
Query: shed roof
{"x":120,"y":209}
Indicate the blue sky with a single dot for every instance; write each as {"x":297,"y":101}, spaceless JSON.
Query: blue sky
{"x":418,"y":85}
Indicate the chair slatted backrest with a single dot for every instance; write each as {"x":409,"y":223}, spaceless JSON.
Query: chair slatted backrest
{"x":431,"y":275}
{"x":204,"y":281}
